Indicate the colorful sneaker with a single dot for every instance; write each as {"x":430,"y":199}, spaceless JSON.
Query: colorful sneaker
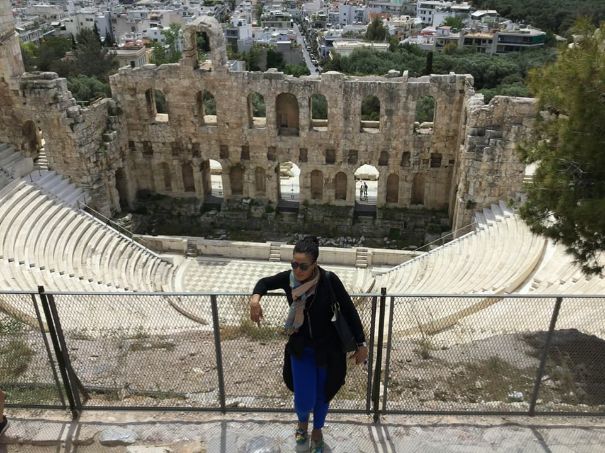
{"x":3,"y":425}
{"x":317,"y":446}
{"x":301,"y":436}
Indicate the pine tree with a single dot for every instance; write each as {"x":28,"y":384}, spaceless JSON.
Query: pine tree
{"x":566,"y":200}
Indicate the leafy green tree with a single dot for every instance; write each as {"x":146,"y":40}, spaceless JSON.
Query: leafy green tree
{"x":29,"y":52}
{"x":376,"y":31}
{"x":91,"y":58}
{"x":429,"y":64}
{"x":87,"y":89}
{"x":454,"y":22}
{"x":52,"y":50}
{"x":274,"y":59}
{"x":566,"y":199}
{"x":296,"y":70}
{"x":169,"y":51}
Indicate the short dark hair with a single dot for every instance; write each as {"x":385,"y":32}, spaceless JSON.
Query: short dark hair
{"x":309,"y":245}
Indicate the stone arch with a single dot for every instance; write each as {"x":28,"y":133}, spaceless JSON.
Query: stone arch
{"x":257,"y":111}
{"x":366,"y":184}
{"x":160,"y":105}
{"x":32,"y":139}
{"x":286,"y":114}
{"x":383,"y":160}
{"x":260,"y":181}
{"x":425,"y":115}
{"x":216,"y":178}
{"x":236,"y":180}
{"x":289,"y":181}
{"x":340,"y":186}
{"x":122,"y":187}
{"x":418,"y":189}
{"x":370,"y":114}
{"x":392,"y":188}
{"x":318,"y":109}
{"x":317,"y":185}
{"x":166,"y":176}
{"x":206,"y":108}
{"x":188,"y":179}
{"x":214,"y":43}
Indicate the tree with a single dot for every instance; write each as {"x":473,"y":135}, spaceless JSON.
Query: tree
{"x":169,"y":51}
{"x":376,"y":31}
{"x":296,"y":70}
{"x":566,"y":199}
{"x":454,"y":22}
{"x":274,"y":59}
{"x":87,"y":89}
{"x":91,"y":58}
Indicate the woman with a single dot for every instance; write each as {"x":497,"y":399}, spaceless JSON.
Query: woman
{"x":314,"y":363}
{"x":3,"y":419}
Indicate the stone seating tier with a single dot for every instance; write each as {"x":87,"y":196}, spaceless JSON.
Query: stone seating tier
{"x":54,"y":244}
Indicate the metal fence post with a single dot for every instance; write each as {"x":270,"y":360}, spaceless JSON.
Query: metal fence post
{"x":388,"y":356}
{"x":371,"y":357}
{"x":48,"y":351}
{"x":59,"y":353}
{"x":378,"y":368}
{"x":544,"y":357}
{"x":219,"y":353}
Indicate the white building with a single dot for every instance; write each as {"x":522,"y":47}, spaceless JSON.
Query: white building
{"x":346,"y":48}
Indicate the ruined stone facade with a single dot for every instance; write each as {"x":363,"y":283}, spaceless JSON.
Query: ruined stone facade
{"x":132,"y":142}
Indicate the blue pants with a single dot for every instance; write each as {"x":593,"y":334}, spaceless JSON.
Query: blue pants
{"x":309,"y":388}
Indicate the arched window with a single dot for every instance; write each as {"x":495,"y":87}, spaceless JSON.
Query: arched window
{"x":405,"y":159}
{"x":370,"y":114}
{"x":206,"y":108}
{"x":425,"y":115}
{"x":166,"y":177}
{"x":318,"y":106}
{"x":257,"y":112}
{"x":383,"y":161}
{"x":392,"y":188}
{"x":236,"y":179}
{"x":436,"y":160}
{"x":340,"y":186}
{"x":286,"y":113}
{"x":161,"y":106}
{"x":260,"y":181}
{"x":188,"y":180}
{"x":418,"y":189}
{"x":317,"y":185}
{"x":289,"y":183}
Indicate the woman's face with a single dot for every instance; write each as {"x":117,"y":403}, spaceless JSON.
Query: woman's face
{"x":302,"y":261}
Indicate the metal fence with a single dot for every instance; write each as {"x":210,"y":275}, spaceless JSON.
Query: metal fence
{"x":429,"y":354}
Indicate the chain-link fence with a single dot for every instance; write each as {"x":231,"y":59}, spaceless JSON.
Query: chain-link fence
{"x":428,"y":354}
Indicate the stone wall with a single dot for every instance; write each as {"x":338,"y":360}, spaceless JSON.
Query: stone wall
{"x":489,"y":169}
{"x":132,"y":142}
{"x":261,"y":251}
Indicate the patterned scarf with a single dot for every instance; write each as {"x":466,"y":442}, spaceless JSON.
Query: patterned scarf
{"x":300,"y":293}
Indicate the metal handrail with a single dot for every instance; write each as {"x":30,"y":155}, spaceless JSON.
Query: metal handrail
{"x":470,"y":227}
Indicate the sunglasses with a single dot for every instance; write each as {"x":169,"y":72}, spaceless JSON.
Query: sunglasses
{"x":303,"y":266}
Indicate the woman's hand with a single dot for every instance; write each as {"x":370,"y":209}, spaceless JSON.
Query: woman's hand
{"x":361,"y":355}
{"x":256,"y":311}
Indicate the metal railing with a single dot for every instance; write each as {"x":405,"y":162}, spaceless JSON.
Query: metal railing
{"x":429,"y":354}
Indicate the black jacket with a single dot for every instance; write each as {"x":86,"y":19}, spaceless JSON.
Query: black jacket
{"x":317,"y":330}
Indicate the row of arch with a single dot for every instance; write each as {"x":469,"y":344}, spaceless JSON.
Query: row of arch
{"x":234,"y":178}
{"x":287,"y":117}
